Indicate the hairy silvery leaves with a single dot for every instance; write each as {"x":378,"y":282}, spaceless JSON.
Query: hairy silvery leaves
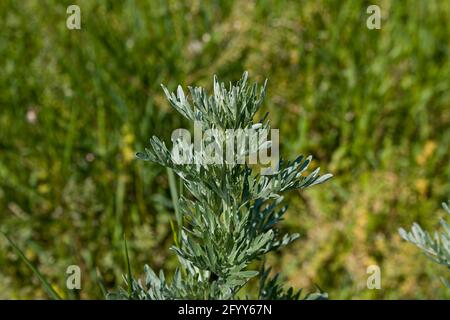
{"x":230,"y":212}
{"x":436,"y":246}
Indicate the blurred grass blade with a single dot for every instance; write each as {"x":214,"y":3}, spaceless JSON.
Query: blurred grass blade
{"x":175,"y":233}
{"x":127,"y":261}
{"x":48,"y":288}
{"x":101,"y":283}
{"x":174,"y":196}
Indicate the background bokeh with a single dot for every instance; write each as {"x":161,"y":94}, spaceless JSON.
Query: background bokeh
{"x":372,"y":107}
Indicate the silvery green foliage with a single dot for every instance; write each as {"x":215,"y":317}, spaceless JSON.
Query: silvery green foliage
{"x":272,"y":289}
{"x":436,"y":246}
{"x":228,"y":218}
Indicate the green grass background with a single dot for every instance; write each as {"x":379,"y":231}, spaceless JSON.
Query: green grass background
{"x":372,"y":107}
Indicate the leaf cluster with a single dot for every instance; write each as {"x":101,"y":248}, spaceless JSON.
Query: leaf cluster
{"x":229,"y":214}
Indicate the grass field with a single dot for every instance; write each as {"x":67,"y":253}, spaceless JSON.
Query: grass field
{"x":372,"y":106}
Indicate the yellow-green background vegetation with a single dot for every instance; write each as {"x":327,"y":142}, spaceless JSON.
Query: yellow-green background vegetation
{"x":372,"y":107}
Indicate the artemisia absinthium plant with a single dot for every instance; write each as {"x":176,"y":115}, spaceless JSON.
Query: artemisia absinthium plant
{"x":228,"y":215}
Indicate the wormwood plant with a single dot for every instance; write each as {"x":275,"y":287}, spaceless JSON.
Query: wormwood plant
{"x":436,"y":247}
{"x":226,"y":221}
